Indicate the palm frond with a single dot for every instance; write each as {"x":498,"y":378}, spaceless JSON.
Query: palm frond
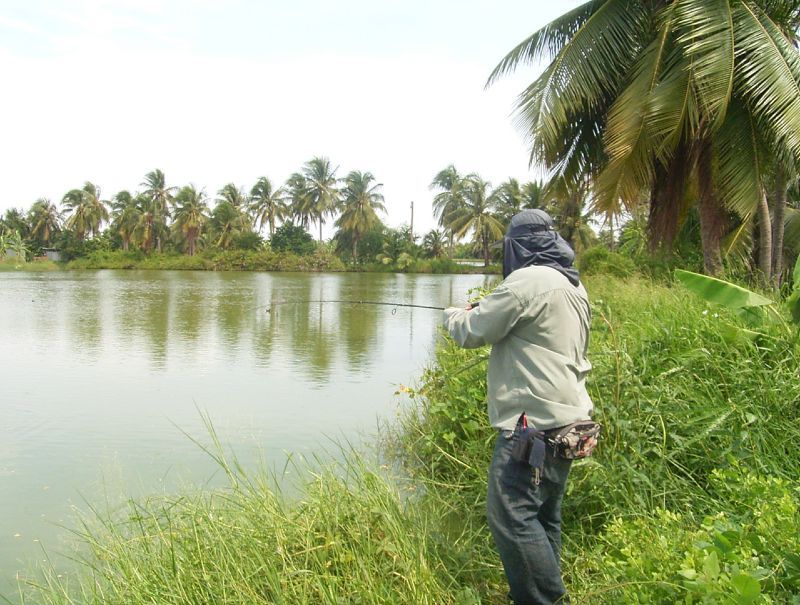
{"x":739,"y":162}
{"x":672,"y":112}
{"x":547,"y":42}
{"x":583,"y":76}
{"x":630,"y":166}
{"x":768,"y":77}
{"x":706,"y":36}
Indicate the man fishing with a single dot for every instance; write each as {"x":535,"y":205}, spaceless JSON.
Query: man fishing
{"x":537,"y":321}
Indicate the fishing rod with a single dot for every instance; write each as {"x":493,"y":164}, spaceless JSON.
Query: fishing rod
{"x":268,"y":308}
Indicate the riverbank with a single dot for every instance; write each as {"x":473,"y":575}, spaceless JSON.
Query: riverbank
{"x":692,"y":496}
{"x":320,"y":260}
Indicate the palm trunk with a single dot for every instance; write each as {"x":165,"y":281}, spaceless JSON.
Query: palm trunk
{"x":712,"y":218}
{"x":355,"y":250}
{"x":764,"y":242}
{"x":779,"y":212}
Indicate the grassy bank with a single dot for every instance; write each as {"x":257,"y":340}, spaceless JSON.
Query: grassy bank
{"x":263,"y":260}
{"x":8,"y":264}
{"x":692,"y":497}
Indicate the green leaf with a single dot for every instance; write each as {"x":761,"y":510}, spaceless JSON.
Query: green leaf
{"x":794,"y":305}
{"x":721,"y":542}
{"x":796,"y":275}
{"x":711,"y":566}
{"x":747,"y":588}
{"x":721,"y":292}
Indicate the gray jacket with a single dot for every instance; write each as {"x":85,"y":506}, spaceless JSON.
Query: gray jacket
{"x":538,"y":325}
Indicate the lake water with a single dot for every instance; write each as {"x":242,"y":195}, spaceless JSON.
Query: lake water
{"x":104,"y":374}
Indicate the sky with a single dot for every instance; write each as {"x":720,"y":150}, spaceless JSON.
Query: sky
{"x":229,"y":91}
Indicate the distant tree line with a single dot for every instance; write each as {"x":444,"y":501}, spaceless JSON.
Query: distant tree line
{"x":185,"y":220}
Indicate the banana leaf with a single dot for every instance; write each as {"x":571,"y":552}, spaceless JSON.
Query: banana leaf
{"x":794,"y":298}
{"x":721,"y":292}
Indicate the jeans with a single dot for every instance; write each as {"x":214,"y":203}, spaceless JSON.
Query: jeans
{"x":525,"y":521}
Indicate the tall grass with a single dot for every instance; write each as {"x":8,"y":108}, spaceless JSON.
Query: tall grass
{"x":692,"y":496}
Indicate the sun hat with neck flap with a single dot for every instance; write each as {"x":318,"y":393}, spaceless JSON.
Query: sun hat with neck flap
{"x":531,"y":239}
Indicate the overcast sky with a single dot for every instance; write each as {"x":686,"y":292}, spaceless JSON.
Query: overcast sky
{"x":228,"y":91}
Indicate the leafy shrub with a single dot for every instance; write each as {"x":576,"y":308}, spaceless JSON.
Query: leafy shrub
{"x":747,"y":548}
{"x":292,"y":238}
{"x":600,"y":260}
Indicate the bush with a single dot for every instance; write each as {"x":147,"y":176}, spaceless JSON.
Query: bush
{"x":600,"y":260}
{"x":292,"y":238}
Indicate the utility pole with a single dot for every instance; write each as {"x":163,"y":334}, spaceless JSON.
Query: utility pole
{"x":411,"y":230}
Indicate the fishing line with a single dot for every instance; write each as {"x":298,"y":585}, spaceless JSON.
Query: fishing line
{"x":395,"y":305}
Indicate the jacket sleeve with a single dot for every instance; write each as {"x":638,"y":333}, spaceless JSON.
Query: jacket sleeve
{"x":488,"y":323}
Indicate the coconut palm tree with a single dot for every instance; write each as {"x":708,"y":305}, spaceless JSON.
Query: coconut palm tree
{"x":126,"y":216}
{"x":234,"y":195}
{"x":568,"y":207}
{"x":360,"y":202}
{"x":449,"y":200}
{"x":160,"y":197}
{"x":320,"y":187}
{"x":226,"y":222}
{"x":434,"y":243}
{"x":15,"y":220}
{"x":657,"y":99}
{"x":87,"y":210}
{"x":45,"y":220}
{"x":267,"y":204}
{"x":300,"y":203}
{"x":191,"y":214}
{"x":477,"y":215}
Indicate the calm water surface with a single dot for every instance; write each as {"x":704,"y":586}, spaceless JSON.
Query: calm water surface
{"x":101,"y":373}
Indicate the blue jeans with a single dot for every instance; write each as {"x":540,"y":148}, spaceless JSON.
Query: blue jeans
{"x":525,"y":521}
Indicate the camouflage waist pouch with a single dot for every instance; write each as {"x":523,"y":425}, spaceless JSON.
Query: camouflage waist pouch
{"x":576,"y":440}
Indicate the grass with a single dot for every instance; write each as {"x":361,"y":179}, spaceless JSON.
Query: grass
{"x":13,"y":264}
{"x":692,"y":496}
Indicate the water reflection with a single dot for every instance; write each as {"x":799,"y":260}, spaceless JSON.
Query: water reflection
{"x":85,"y":317}
{"x":99,"y":368}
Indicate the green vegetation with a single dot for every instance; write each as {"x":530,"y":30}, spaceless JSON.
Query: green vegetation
{"x":692,"y":496}
{"x":671,"y":105}
{"x":168,"y":227}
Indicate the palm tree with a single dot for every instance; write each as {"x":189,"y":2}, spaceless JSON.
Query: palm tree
{"x":234,"y":195}
{"x":434,"y":243}
{"x":568,"y":209}
{"x":45,"y":220}
{"x":126,"y":217}
{"x":191,"y":214}
{"x":160,"y":197}
{"x":267,"y":204}
{"x":360,"y":203}
{"x":449,"y":200}
{"x":227,"y":221}
{"x":301,"y":206}
{"x":397,"y":249}
{"x":320,"y":187}
{"x":87,"y":210}
{"x":477,"y":216}
{"x":509,"y":198}
{"x":14,"y":220}
{"x":656,"y":99}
